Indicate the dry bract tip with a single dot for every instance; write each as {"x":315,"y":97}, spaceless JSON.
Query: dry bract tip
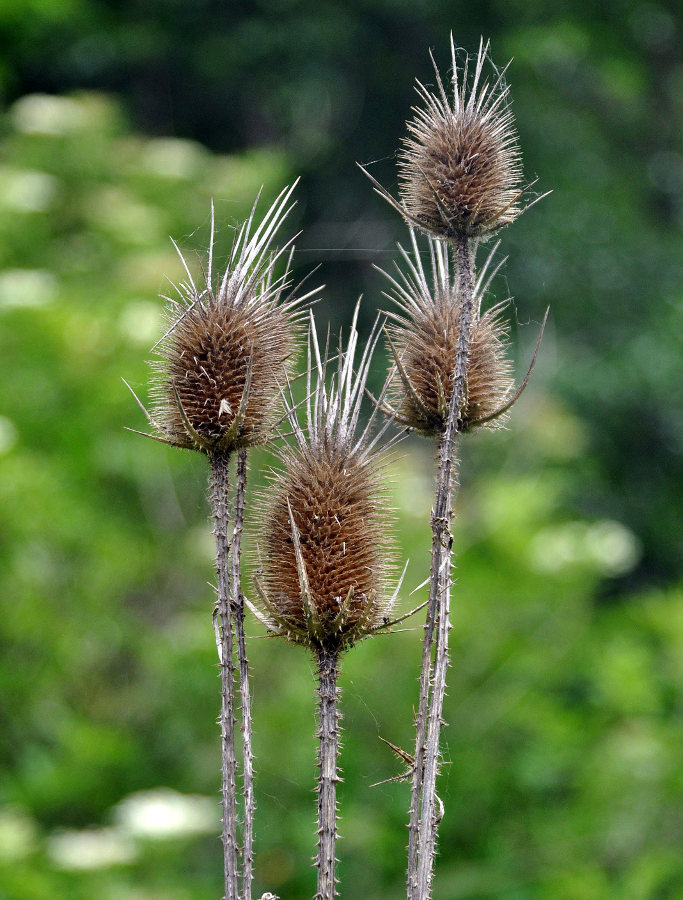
{"x":460,"y":171}
{"x":228,"y":343}
{"x":327,"y":552}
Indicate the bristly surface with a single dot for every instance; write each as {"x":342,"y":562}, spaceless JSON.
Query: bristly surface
{"x":228,"y":344}
{"x":424,"y":338}
{"x":326,"y":549}
{"x":460,"y":171}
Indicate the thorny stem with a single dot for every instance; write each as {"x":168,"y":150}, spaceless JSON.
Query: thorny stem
{"x":421,"y":727}
{"x":237,"y":602}
{"x":223,"y":627}
{"x":424,"y":820}
{"x":328,"y":749}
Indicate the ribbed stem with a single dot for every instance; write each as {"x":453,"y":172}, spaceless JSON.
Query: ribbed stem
{"x":423,"y":825}
{"x":328,"y":750}
{"x":421,"y":720}
{"x":237,"y":601}
{"x":223,"y":628}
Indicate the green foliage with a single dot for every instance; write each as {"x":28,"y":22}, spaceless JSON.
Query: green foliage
{"x":561,"y":769}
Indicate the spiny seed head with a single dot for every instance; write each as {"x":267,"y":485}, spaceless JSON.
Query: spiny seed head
{"x":228,"y":345}
{"x":336,"y":510}
{"x":424,"y":337}
{"x":460,"y":170}
{"x":220,"y":370}
{"x":325,"y":553}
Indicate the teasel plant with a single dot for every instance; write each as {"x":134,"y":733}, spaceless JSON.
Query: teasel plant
{"x":460,"y":181}
{"x":325,"y":552}
{"x":230,"y":342}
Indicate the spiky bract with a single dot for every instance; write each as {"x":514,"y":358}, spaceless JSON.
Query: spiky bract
{"x":424,"y":338}
{"x":325,"y":551}
{"x":228,"y":345}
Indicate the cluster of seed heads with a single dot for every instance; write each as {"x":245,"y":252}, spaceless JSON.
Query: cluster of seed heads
{"x":325,"y":552}
{"x":322,"y":578}
{"x":230,"y":344}
{"x":460,"y":174}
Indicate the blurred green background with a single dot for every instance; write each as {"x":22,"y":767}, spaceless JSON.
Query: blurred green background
{"x":563,"y":751}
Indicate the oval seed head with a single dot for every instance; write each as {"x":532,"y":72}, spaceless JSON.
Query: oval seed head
{"x":460,"y":171}
{"x":228,"y":345}
{"x":325,"y":543}
{"x":423,"y":338}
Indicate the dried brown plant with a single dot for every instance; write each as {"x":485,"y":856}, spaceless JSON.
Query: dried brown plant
{"x":326,"y":552}
{"x":228,"y":344}
{"x":423,"y":339}
{"x":323,"y":579}
{"x":460,"y":170}
{"x":460,"y":179}
{"x":222,"y":359}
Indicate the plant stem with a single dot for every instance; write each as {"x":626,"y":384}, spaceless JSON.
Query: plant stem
{"x":237,"y":602}
{"x":421,"y":727}
{"x":328,"y":750}
{"x":223,"y":628}
{"x":424,"y":821}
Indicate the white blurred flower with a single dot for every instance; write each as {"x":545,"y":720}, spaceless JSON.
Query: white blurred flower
{"x":26,"y":287}
{"x":95,"y":848}
{"x":164,"y":813}
{"x":608,"y":547}
{"x":124,"y":217}
{"x":27,"y":190}
{"x":412,"y":486}
{"x":172,"y":157}
{"x":614,"y":549}
{"x":48,"y":114}
{"x":201,"y":543}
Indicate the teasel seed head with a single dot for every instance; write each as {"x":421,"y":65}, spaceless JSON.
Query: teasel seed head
{"x":423,"y":339}
{"x":325,"y":550}
{"x":228,"y":345}
{"x":460,"y":171}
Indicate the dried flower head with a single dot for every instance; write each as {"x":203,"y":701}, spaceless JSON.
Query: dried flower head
{"x":325,"y":549}
{"x":423,"y":339}
{"x":228,"y":345}
{"x":460,"y":171}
